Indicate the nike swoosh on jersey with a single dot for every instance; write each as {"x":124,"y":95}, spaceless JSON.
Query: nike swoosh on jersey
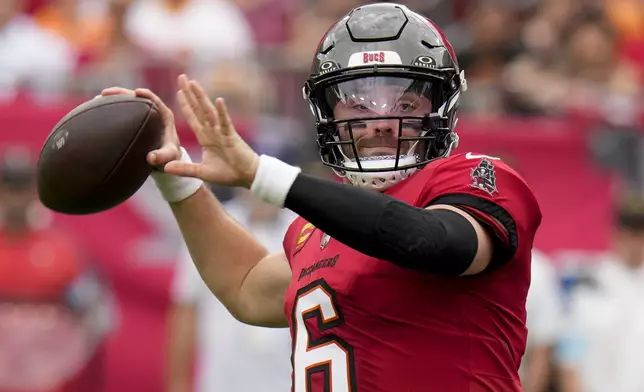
{"x":469,"y":155}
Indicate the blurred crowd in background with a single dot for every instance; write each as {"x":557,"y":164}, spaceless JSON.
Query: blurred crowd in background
{"x":111,"y":302}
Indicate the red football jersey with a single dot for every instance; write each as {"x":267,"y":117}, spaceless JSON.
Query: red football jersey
{"x":363,"y":324}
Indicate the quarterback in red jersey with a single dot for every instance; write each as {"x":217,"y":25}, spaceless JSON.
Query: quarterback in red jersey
{"x":413,"y":275}
{"x":364,"y":323}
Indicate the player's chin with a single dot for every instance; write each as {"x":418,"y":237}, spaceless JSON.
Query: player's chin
{"x":374,"y":152}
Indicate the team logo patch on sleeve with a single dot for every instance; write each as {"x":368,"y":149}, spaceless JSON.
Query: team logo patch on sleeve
{"x":304,"y":235}
{"x":483,"y":177}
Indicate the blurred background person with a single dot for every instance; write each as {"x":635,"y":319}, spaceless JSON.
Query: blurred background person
{"x":489,"y":42}
{"x":602,"y":348}
{"x":544,"y":307}
{"x":32,"y":59}
{"x":53,"y":308}
{"x":96,"y":31}
{"x":229,"y":355}
{"x":195,"y":33}
{"x":576,"y":69}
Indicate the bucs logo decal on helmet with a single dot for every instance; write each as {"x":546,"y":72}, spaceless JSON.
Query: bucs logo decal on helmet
{"x":374,"y":57}
{"x":484,"y":178}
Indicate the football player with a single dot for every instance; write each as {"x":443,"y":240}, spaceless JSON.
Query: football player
{"x":412,"y":279}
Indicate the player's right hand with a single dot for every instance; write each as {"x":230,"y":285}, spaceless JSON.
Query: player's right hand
{"x":169,"y":150}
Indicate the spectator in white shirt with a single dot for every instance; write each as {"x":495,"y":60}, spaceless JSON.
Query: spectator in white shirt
{"x":31,"y":58}
{"x":602,"y":348}
{"x":544,"y":323}
{"x":197,"y":32}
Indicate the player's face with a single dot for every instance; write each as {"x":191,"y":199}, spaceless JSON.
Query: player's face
{"x":363,"y":99}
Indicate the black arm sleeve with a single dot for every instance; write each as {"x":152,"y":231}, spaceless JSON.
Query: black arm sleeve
{"x":434,"y":241}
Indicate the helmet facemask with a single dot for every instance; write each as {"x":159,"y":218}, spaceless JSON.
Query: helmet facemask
{"x":376,"y":130}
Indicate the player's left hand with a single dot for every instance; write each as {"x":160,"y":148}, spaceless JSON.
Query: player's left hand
{"x":227,"y":159}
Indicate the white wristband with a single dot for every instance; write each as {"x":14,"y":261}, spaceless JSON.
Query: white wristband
{"x":273,"y":180}
{"x":176,"y":188}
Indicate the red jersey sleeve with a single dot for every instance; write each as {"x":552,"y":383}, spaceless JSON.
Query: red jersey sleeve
{"x":492,"y":192}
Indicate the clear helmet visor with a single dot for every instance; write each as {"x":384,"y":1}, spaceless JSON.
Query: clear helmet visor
{"x":374,"y":115}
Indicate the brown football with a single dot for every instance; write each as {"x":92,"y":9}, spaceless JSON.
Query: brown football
{"x":95,"y":157}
